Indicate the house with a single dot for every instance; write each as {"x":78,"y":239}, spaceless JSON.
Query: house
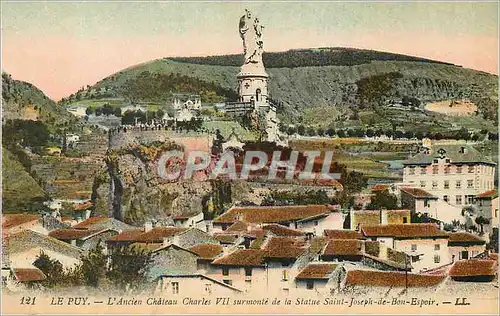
{"x":82,"y":210}
{"x":343,"y":250}
{"x":317,"y":276}
{"x":192,"y":285}
{"x":474,"y":270}
{"x":418,"y":200}
{"x":463,"y":245}
{"x":15,"y":223}
{"x":453,"y":173}
{"x":307,"y":218}
{"x":426,"y":244}
{"x":244,"y":269}
{"x":487,"y":206}
{"x":188,"y":221}
{"x":342,"y":234}
{"x":23,"y":248}
{"x":84,"y":238}
{"x":369,"y":217}
{"x":206,"y":254}
{"x":170,"y":260}
{"x":24,"y":278}
{"x":99,"y":223}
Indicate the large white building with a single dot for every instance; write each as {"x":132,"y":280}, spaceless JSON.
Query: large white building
{"x":453,"y":173}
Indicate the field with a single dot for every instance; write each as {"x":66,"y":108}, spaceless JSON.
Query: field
{"x":452,"y":107}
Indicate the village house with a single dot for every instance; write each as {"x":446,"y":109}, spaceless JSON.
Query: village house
{"x":206,"y":254}
{"x":15,"y":223}
{"x":192,"y":285}
{"x":357,"y":219}
{"x":463,"y":245}
{"x":487,"y":207}
{"x":453,"y":173}
{"x":418,"y":200}
{"x":82,"y":211}
{"x":319,"y":277}
{"x":188,"y":221}
{"x":23,"y":248}
{"x":474,"y":270}
{"x":426,"y":244}
{"x":84,"y":238}
{"x":171,"y":260}
{"x":20,"y":279}
{"x":100,"y":223}
{"x":307,"y":218}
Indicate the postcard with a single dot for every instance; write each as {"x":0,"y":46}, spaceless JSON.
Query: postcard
{"x":194,"y":157}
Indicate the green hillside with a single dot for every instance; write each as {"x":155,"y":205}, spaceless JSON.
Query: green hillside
{"x":19,"y":189}
{"x":306,"y":82}
{"x":22,"y":100}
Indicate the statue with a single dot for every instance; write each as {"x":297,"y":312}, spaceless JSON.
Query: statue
{"x":251,"y":34}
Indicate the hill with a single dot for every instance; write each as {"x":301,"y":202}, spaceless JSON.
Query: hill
{"x":22,"y":100}
{"x":306,"y":82}
{"x":20,"y":191}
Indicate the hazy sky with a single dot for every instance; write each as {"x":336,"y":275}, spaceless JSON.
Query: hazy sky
{"x":60,"y":47}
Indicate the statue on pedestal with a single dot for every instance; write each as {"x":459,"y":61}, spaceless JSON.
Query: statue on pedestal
{"x":251,"y":34}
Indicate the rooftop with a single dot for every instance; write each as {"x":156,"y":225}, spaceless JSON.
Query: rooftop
{"x":280,"y":230}
{"x":242,"y":257}
{"x":343,"y":247}
{"x":317,"y":271}
{"x":128,"y":235}
{"x":404,"y":231}
{"x":272,"y":214}
{"x":418,"y":193}
{"x":28,"y":274}
{"x":453,"y":152}
{"x":390,"y":279}
{"x":207,"y":251}
{"x":103,"y":223}
{"x":70,"y":233}
{"x":457,"y":239}
{"x":157,"y":234}
{"x":342,"y":234}
{"x":284,"y":248}
{"x":470,"y":268}
{"x":28,"y":239}
{"x":12,"y":220}
{"x":491,"y":194}
{"x":226,"y":238}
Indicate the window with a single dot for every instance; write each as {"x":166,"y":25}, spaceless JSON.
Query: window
{"x":469,"y":199}
{"x":208,"y":288}
{"x":413,"y":247}
{"x":436,"y":161}
{"x":175,"y":287}
{"x":434,"y":184}
{"x":470,"y":184}
{"x":248,"y":271}
{"x":458,"y":199}
{"x":315,"y":223}
{"x":284,"y":275}
{"x":405,"y":220}
{"x":446,"y":184}
{"x":496,"y":212}
{"x":445,"y":198}
{"x":437,"y":259}
{"x":447,"y":160}
{"x":310,"y":284}
{"x":423,"y":170}
{"x":447,"y":169}
{"x":435,"y":169}
{"x":422,"y":184}
{"x":437,"y":247}
{"x":427,"y":203}
{"x":471,"y":169}
{"x":412,"y":170}
{"x":228,"y":282}
{"x":225,"y":271}
{"x":459,"y":169}
{"x":458,"y":184}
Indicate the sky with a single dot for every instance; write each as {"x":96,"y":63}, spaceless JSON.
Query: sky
{"x":62,"y":46}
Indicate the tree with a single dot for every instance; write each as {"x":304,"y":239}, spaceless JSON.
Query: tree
{"x":341,"y":133}
{"x":93,"y":266}
{"x":482,"y":221}
{"x":89,"y":110}
{"x":128,"y":268}
{"x":383,"y":199}
{"x":370,"y":133}
{"x":301,"y":130}
{"x":330,"y":132}
{"x":52,"y":269}
{"x":291,"y":130}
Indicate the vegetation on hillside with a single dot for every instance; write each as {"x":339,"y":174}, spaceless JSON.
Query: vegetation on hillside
{"x":336,"y":56}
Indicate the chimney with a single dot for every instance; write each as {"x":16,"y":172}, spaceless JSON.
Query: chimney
{"x":148,"y":226}
{"x":384,"y":217}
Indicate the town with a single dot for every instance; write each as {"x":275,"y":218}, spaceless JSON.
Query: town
{"x":115,"y":221}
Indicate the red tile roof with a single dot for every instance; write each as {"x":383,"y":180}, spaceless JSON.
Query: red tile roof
{"x":28,"y":274}
{"x":493,"y":256}
{"x":70,"y":234}
{"x":343,"y":247}
{"x":82,"y":206}
{"x":491,"y":194}
{"x":90,"y":221}
{"x":284,"y":248}
{"x":469,"y":268}
{"x":242,"y":257}
{"x":380,"y":187}
{"x":157,"y":234}
{"x":404,"y":231}
{"x":207,"y":251}
{"x":317,"y":271}
{"x":395,"y":279}
{"x":226,"y":238}
{"x":342,"y":234}
{"x":12,"y":220}
{"x":273,"y":214}
{"x":280,"y":230}
{"x":128,"y":235}
{"x":237,"y":226}
{"x":464,"y":238}
{"x":418,"y":193}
